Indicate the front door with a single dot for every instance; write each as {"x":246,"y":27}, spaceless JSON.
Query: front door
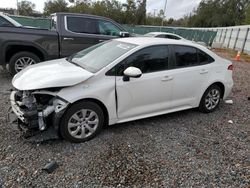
{"x":82,"y":32}
{"x":149,"y":94}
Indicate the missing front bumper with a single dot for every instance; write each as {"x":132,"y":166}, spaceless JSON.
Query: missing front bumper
{"x":36,"y":121}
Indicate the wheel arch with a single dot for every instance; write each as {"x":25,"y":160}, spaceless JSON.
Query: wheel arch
{"x":98,"y":102}
{"x":221,"y":86}
{"x":12,"y":48}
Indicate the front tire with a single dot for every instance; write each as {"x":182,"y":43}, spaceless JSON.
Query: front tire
{"x":210,"y":99}
{"x":82,"y":122}
{"x":21,"y":60}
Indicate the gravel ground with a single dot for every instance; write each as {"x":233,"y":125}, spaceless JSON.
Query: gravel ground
{"x":184,"y":149}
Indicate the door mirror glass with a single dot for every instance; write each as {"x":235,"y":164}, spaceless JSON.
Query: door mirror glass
{"x":124,"y":34}
{"x":132,"y":72}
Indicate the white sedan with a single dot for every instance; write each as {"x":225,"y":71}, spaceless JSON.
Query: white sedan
{"x":118,"y":81}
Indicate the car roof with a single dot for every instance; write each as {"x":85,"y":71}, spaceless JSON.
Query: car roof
{"x":163,"y":33}
{"x":150,"y":41}
{"x":79,"y":14}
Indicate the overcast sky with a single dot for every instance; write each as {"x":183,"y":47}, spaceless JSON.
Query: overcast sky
{"x":175,"y":8}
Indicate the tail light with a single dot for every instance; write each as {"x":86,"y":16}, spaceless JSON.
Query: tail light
{"x":230,"y":67}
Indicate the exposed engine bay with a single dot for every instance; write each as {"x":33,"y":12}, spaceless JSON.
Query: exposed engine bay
{"x":36,"y":110}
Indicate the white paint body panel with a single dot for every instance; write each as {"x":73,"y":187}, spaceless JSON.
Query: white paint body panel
{"x":148,"y":94}
{"x":152,"y":94}
{"x":56,"y":73}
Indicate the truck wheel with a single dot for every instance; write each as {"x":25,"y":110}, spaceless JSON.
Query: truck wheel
{"x":21,"y":60}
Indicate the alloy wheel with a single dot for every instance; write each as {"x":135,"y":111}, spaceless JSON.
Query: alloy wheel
{"x":212,"y":99}
{"x":83,"y":123}
{"x":23,"y":62}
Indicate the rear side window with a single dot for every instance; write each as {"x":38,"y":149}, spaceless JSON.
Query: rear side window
{"x":160,"y":36}
{"x":151,"y":59}
{"x":172,"y":37}
{"x":204,"y":58}
{"x":81,"y":25}
{"x":185,"y":56}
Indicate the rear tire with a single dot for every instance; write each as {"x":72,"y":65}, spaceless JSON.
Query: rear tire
{"x":82,"y":122}
{"x":21,"y":60}
{"x":210,"y":99}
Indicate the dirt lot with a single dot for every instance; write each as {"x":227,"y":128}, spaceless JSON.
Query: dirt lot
{"x":182,"y":149}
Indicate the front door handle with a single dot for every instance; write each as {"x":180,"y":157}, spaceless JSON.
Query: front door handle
{"x":101,"y":40}
{"x":167,"y":78}
{"x":66,"y":38}
{"x":203,"y":71}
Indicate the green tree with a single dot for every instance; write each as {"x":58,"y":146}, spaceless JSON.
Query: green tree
{"x":82,"y":7}
{"x":214,"y":13}
{"x":141,"y":12}
{"x":53,"y":6}
{"x":247,"y":19}
{"x":129,"y":15}
{"x":26,"y":8}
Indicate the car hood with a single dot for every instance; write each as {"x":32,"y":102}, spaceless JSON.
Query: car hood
{"x":56,"y":73}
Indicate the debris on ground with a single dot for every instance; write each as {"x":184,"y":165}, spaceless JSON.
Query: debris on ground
{"x":229,"y":102}
{"x":51,"y":167}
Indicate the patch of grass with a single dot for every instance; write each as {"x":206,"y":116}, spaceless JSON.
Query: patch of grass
{"x":232,"y":54}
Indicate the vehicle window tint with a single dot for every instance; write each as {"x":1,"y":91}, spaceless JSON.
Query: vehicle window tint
{"x":160,"y":36}
{"x":204,"y":58}
{"x":172,"y":37}
{"x":81,"y":25}
{"x":185,"y":56}
{"x":4,"y":23}
{"x":108,"y":28}
{"x":150,"y":59}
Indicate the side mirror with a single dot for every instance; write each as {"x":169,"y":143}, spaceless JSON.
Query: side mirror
{"x":124,"y":34}
{"x":131,"y":72}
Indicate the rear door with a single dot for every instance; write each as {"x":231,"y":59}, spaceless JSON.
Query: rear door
{"x":190,"y":75}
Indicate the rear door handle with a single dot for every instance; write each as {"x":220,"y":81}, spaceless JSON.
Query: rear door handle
{"x":167,"y":78}
{"x":101,"y":40}
{"x":65,"y":38}
{"x":203,"y":71}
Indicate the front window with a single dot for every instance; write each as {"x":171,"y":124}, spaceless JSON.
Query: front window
{"x":97,"y":57}
{"x":4,"y":23}
{"x":107,"y":28}
{"x":148,"y":60}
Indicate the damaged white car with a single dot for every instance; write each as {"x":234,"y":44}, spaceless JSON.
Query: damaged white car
{"x":118,"y":81}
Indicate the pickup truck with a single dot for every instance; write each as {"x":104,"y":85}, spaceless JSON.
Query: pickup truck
{"x":23,"y":46}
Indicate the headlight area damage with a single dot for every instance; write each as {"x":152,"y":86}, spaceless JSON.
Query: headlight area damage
{"x":35,"y":111}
